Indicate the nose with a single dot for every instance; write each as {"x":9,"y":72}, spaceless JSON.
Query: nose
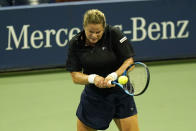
{"x":94,"y":35}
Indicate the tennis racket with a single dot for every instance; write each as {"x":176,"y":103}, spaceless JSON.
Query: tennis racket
{"x":138,"y":79}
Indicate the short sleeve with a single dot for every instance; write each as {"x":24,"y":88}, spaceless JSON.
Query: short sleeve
{"x":121,"y":44}
{"x":73,"y":62}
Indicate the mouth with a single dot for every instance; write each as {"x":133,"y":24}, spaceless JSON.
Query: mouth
{"x":93,"y":39}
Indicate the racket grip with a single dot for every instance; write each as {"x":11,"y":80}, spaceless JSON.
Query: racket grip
{"x":111,"y":82}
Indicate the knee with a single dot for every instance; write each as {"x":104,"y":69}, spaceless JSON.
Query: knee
{"x":129,"y":124}
{"x":82,"y":127}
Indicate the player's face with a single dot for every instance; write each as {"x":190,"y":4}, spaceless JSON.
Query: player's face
{"x":94,"y":32}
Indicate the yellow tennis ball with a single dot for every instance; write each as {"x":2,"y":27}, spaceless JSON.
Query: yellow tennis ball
{"x":122,"y":80}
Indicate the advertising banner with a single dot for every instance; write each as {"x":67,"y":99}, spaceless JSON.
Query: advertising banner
{"x":34,"y":37}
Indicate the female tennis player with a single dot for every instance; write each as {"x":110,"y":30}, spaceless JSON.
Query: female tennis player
{"x":99,"y":54}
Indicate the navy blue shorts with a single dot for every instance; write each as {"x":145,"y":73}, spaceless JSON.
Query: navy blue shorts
{"x":98,"y":106}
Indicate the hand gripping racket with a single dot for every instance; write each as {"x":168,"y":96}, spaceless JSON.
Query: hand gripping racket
{"x":138,"y":79}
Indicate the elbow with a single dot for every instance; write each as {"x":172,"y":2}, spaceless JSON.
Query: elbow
{"x":79,"y":78}
{"x":130,"y":60}
{"x":75,"y":81}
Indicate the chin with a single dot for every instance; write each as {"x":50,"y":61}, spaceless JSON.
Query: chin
{"x":94,"y":41}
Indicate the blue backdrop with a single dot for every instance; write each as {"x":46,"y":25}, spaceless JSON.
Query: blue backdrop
{"x":37,"y":36}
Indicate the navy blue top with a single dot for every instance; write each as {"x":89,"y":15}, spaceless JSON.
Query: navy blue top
{"x":105,"y":57}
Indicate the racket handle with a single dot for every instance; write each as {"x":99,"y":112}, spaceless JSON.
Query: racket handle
{"x":111,"y":82}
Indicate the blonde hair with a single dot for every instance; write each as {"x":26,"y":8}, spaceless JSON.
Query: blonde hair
{"x":94,"y":16}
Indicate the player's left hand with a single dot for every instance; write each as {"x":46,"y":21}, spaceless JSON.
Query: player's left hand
{"x":107,"y":82}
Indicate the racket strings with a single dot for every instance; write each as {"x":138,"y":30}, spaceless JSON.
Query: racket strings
{"x":138,"y":78}
{"x":128,"y":87}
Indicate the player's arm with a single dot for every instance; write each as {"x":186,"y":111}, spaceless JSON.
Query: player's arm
{"x":124,"y":66}
{"x":83,"y":79}
{"x":118,"y":72}
{"x":74,"y":66}
{"x":123,"y":49}
{"x":79,"y":78}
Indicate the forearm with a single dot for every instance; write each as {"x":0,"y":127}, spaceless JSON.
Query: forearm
{"x":79,"y":78}
{"x":124,"y":66}
{"x":83,"y":79}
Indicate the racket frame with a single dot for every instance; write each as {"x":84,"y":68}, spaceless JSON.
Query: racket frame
{"x":125,"y":74}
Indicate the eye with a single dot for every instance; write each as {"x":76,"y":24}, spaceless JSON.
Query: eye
{"x":98,"y":32}
{"x":91,"y":32}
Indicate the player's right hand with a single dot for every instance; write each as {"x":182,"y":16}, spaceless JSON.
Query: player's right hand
{"x":99,"y":81}
{"x":107,"y":82}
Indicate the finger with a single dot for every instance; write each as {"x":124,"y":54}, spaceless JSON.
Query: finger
{"x":101,"y":84}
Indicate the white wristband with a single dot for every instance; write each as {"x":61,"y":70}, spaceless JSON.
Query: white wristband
{"x":113,"y":75}
{"x":91,"y":78}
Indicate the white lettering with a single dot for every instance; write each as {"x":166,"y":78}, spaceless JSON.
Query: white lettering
{"x":58,"y":34}
{"x":137,"y":28}
{"x":171,"y":26}
{"x":12,"y":35}
{"x":34,"y":37}
{"x":71,"y":33}
{"x":153,"y":28}
{"x":140,"y":31}
{"x":155,"y":31}
{"x":48,"y":36}
{"x":182,"y":29}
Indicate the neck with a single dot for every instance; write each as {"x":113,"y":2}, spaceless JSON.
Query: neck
{"x":88,"y":43}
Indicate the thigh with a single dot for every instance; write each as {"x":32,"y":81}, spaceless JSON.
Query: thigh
{"x":128,"y":124}
{"x":82,"y":127}
{"x":94,"y":111}
{"x":125,"y":107}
